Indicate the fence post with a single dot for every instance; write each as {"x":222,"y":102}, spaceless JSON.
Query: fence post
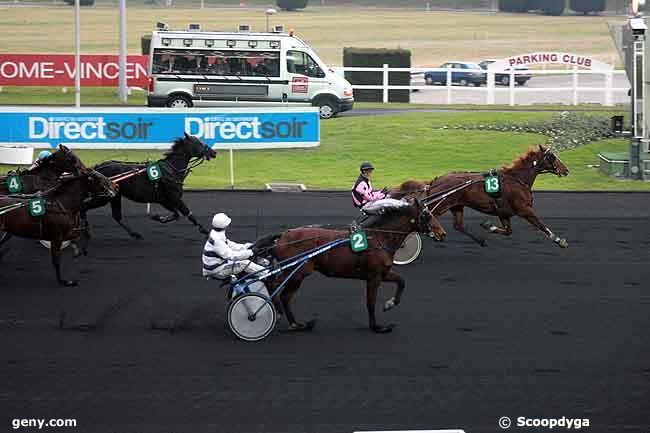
{"x":385,"y":83}
{"x":609,"y":84}
{"x":490,"y":87}
{"x":448,"y":85}
{"x":512,"y":86}
{"x":575,"y":85}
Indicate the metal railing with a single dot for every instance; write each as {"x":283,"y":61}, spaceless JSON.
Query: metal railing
{"x":489,"y":84}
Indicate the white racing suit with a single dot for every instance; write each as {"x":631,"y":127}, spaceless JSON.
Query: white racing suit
{"x":223,"y":258}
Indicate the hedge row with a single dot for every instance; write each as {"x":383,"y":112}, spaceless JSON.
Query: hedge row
{"x":376,"y":58}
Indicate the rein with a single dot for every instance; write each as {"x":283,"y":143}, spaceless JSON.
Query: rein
{"x":442,"y":195}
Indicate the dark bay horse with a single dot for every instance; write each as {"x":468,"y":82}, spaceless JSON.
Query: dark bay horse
{"x":62,"y":205}
{"x":516,"y":196}
{"x":374,"y":265}
{"x":45,"y":174}
{"x":168,"y":191}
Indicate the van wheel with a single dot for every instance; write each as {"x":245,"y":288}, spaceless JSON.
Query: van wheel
{"x":326,"y":108}
{"x":179,"y":101}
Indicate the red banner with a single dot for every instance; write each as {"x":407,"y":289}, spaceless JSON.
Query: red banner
{"x":59,"y":70}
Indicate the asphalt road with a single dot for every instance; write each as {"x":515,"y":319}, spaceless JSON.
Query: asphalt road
{"x":519,"y":328}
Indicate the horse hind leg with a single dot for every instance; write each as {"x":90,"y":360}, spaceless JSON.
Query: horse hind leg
{"x":504,"y":230}
{"x":55,"y":251}
{"x":286,"y":299}
{"x":459,"y":226}
{"x":116,"y":210}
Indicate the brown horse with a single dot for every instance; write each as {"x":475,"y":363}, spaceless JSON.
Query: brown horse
{"x":45,"y":174}
{"x":515,"y":197}
{"x":374,"y":265}
{"x":61,"y":219}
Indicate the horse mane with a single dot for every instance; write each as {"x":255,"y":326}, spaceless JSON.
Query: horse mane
{"x":390,"y":214}
{"x":178,"y":142}
{"x":523,"y":159}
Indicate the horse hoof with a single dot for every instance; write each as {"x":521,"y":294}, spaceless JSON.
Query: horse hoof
{"x":382,"y":329}
{"x":68,"y":283}
{"x":301,"y":327}
{"x":487,"y":225}
{"x":390,"y":304}
{"x":563,"y":243}
{"x":137,"y":236}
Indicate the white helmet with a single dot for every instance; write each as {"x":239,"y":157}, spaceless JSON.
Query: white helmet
{"x":220,"y":221}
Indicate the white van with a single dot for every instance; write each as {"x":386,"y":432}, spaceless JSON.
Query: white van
{"x":195,"y":68}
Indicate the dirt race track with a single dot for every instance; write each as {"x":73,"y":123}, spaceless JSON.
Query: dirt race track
{"x":519,"y":328}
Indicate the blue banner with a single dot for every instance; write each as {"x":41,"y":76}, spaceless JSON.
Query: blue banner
{"x":157,"y":128}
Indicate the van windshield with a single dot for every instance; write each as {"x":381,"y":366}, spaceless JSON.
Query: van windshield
{"x":299,"y":62}
{"x":216,"y":62}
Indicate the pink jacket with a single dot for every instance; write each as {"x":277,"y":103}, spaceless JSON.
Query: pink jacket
{"x":362,"y":192}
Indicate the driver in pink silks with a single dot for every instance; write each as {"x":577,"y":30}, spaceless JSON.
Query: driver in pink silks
{"x":362,"y":192}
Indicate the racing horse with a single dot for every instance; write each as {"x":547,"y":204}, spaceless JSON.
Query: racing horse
{"x":46,"y":173}
{"x":515,"y":196}
{"x":384,"y":235}
{"x":53,"y":215}
{"x":42,"y":176}
{"x":186,"y":153}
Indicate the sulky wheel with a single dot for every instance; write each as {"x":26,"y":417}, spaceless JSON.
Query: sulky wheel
{"x":409,"y":251}
{"x":251,"y":317}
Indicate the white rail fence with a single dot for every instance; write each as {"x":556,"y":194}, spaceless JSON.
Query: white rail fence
{"x":489,"y":87}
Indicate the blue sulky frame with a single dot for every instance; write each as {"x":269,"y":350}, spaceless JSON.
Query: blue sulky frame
{"x":296,"y":262}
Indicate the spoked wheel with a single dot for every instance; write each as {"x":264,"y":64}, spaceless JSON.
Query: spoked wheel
{"x":409,"y":251}
{"x":47,"y":244}
{"x":251,"y":317}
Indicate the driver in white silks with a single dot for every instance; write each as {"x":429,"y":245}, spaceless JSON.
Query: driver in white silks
{"x":223,"y":257}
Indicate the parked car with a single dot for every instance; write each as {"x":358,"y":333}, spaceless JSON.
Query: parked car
{"x":522,"y":74}
{"x":463,"y":73}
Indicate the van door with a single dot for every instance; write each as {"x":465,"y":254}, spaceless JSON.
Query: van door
{"x":305,"y":77}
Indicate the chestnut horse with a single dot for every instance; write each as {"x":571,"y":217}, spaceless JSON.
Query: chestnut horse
{"x":516,"y":196}
{"x":62,"y":205}
{"x":385,"y":236}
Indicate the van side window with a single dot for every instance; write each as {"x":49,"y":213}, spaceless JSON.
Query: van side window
{"x":299,"y":62}
{"x":216,"y":62}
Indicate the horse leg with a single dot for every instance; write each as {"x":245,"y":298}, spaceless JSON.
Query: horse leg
{"x":182,"y":207}
{"x":401,"y":285}
{"x":4,"y":238}
{"x":286,"y":299}
{"x":530,"y":216}
{"x":171,"y":207}
{"x":459,"y":225}
{"x":116,"y":210}
{"x":505,"y":229}
{"x":55,"y":251}
{"x":372,"y":286}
